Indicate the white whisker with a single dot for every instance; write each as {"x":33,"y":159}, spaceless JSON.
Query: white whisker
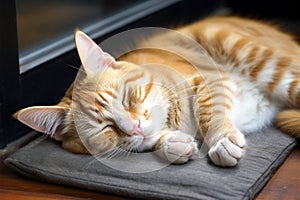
{"x":78,"y":68}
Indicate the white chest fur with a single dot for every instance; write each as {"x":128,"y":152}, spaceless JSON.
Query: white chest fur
{"x":252,"y":110}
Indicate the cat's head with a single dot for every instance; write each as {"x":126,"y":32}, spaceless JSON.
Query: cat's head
{"x":113,"y":103}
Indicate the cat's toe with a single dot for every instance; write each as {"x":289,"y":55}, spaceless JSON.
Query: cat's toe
{"x":178,"y":148}
{"x":226,"y":153}
{"x":179,"y":153}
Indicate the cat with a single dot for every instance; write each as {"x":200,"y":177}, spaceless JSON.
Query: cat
{"x":155,"y":99}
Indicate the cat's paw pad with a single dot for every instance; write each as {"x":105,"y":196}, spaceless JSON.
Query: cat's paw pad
{"x":227,"y":152}
{"x":177,"y":147}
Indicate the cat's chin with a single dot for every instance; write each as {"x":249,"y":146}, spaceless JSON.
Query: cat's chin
{"x":142,"y":143}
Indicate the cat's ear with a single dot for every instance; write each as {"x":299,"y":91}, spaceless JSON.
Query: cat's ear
{"x":45,"y":119}
{"x":91,"y":55}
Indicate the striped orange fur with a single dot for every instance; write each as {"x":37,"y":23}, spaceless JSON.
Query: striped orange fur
{"x":214,"y":79}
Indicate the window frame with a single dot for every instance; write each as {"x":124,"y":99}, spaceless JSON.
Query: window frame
{"x":96,"y":30}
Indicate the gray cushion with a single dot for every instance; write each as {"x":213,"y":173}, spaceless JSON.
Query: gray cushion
{"x":44,"y":159}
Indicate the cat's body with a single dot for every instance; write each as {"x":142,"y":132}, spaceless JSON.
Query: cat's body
{"x":160,"y":98}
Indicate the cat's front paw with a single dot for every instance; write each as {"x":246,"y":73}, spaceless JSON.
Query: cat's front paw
{"x":176,"y":147}
{"x":227,"y":151}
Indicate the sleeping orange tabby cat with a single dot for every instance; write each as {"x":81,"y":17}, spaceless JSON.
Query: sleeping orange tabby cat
{"x":137,"y":104}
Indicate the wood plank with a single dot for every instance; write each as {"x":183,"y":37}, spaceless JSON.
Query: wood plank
{"x":23,"y":195}
{"x":285,"y":184}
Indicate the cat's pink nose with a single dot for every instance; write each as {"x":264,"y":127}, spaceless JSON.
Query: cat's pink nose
{"x":136,"y":128}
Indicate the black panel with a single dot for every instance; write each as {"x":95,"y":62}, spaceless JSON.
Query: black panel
{"x":288,"y":9}
{"x":9,"y":70}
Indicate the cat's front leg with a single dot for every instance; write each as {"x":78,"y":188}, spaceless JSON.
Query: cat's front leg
{"x":215,"y":100}
{"x":175,"y":146}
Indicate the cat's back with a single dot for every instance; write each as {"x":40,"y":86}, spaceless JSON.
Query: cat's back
{"x":215,"y":29}
{"x":215,"y":41}
{"x":219,"y":36}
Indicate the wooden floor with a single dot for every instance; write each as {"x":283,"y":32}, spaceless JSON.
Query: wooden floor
{"x":285,"y":184}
